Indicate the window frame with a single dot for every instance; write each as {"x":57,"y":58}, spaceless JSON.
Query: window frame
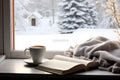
{"x":1,"y":28}
{"x":7,"y":29}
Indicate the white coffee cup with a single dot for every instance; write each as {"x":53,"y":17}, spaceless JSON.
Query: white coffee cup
{"x":36,"y":53}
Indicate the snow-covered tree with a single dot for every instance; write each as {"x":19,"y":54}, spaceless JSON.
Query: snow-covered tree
{"x":90,"y":15}
{"x":43,"y":6}
{"x":75,"y":13}
{"x":32,"y":5}
{"x":20,"y":15}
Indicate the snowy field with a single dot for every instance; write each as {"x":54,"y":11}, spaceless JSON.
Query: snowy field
{"x":61,"y":41}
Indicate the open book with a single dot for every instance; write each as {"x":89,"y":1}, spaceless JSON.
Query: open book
{"x":62,"y":65}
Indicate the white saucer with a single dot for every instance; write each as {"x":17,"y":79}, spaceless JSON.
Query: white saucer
{"x":29,"y":62}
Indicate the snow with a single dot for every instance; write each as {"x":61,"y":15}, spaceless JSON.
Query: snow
{"x":45,"y":27}
{"x":61,"y":42}
{"x":47,"y":32}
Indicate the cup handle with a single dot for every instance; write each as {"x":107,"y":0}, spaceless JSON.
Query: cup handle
{"x":26,"y":53}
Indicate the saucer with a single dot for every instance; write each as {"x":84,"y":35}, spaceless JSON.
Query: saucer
{"x":30,"y":62}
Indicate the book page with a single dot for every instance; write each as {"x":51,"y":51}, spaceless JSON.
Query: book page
{"x":60,"y":67}
{"x":69,"y":59}
{"x":63,"y":65}
{"x":59,"y":64}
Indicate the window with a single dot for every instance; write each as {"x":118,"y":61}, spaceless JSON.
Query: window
{"x":53,"y":23}
{"x":36,"y":24}
{"x":33,"y":22}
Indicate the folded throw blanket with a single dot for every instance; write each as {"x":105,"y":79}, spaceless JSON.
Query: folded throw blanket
{"x":101,"y":49}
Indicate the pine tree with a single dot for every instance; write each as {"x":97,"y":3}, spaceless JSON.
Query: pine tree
{"x":75,"y":13}
{"x":90,"y":14}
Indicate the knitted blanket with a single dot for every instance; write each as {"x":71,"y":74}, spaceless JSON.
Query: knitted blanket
{"x":101,"y":49}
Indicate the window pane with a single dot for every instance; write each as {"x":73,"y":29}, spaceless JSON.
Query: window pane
{"x":58,"y":24}
{"x":33,"y":22}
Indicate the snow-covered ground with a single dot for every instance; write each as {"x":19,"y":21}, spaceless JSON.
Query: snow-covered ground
{"x":61,"y":41}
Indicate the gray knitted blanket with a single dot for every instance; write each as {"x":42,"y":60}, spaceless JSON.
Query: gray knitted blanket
{"x":101,"y":49}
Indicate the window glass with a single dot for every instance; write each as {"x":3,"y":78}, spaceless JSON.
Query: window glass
{"x":58,"y":24}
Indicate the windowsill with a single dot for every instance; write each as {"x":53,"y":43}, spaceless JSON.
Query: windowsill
{"x":16,"y":68}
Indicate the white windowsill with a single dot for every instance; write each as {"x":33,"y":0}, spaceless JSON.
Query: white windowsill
{"x":18,"y":66}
